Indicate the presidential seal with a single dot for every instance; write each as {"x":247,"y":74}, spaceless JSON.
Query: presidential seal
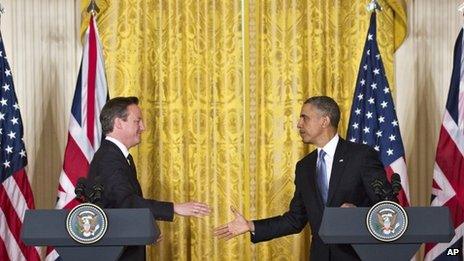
{"x":86,"y":223}
{"x":387,"y":221}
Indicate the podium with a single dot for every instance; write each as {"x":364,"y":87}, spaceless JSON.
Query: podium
{"x":348,"y":226}
{"x":125,"y":227}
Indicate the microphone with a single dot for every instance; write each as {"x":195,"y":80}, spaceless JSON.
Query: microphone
{"x":396,"y":185}
{"x":80,"y":190}
{"x":379,"y":189}
{"x":384,"y":192}
{"x":88,"y":190}
{"x":96,"y":193}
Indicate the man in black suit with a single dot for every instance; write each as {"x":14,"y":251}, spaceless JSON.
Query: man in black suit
{"x":114,"y":168}
{"x":337,"y":174}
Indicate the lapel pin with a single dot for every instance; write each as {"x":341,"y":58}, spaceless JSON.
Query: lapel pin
{"x":340,"y":160}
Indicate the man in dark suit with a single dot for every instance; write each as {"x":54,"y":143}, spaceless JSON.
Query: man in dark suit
{"x":337,"y":174}
{"x":114,"y":168}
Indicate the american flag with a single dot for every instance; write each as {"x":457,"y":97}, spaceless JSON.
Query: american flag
{"x":448,"y":173}
{"x":84,"y":135}
{"x":373,"y":118}
{"x":15,"y":193}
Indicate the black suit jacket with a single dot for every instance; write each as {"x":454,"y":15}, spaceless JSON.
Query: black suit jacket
{"x":354,"y":168}
{"x":121,"y":189}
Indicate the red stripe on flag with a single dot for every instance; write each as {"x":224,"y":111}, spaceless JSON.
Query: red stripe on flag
{"x":75,"y":164}
{"x":91,"y":83}
{"x":23,"y":183}
{"x":14,"y":224}
{"x":451,"y":163}
{"x":3,"y":253}
{"x":456,"y":211}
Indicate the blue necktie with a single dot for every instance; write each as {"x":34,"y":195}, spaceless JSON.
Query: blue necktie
{"x":322,"y":181}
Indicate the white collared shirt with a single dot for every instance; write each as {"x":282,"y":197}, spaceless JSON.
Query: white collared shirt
{"x":329,"y":149}
{"x":121,"y":146}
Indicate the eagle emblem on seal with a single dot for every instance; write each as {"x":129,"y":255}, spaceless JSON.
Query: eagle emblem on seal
{"x":387,"y":221}
{"x":87,"y":223}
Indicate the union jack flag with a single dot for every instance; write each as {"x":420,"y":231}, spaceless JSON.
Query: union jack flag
{"x":373,"y":118}
{"x":448,"y":173}
{"x":15,"y":193}
{"x":85,"y":133}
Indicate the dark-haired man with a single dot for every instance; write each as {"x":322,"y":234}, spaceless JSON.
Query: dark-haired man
{"x":122,"y":124}
{"x":337,"y":174}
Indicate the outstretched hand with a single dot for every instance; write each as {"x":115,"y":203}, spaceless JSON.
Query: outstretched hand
{"x":196,"y":209}
{"x":234,"y":228}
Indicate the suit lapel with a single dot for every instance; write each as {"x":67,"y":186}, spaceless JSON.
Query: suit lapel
{"x":133,"y":172}
{"x":338,"y":167}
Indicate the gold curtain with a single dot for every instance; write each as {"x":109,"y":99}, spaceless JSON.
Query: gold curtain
{"x":221,"y":85}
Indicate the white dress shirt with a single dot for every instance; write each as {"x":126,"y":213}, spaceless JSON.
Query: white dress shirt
{"x":329,"y":149}
{"x":121,"y":146}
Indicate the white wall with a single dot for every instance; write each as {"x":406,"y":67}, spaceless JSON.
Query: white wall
{"x":423,"y":72}
{"x":43,"y":48}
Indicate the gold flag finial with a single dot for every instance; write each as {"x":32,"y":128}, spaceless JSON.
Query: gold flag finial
{"x":373,"y":5}
{"x":93,"y":8}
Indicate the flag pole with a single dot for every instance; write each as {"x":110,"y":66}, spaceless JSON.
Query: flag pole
{"x":461,"y":8}
{"x":93,"y":8}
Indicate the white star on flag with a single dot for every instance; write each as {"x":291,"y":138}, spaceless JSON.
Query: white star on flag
{"x":12,"y":135}
{"x":6,"y":164}
{"x":14,"y":120}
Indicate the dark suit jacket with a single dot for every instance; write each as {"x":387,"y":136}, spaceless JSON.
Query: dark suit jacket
{"x":121,"y":189}
{"x":354,"y":168}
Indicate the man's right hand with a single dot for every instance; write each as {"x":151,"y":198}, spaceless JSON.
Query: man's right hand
{"x":234,"y":228}
{"x":193,"y":208}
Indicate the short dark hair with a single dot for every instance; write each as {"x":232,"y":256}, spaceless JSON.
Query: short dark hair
{"x":328,"y":107}
{"x":115,"y":108}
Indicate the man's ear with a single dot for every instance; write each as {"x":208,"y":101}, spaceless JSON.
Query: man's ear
{"x":117,"y":123}
{"x":326,"y":122}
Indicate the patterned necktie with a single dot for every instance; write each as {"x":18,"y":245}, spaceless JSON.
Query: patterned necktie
{"x":322,"y":181}
{"x":131,"y":162}
{"x":134,"y":173}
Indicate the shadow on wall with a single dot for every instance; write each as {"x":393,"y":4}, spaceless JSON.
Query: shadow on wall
{"x":47,"y":156}
{"x":428,"y":120}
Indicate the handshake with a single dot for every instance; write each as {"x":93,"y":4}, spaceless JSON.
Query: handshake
{"x":234,"y":228}
{"x":92,"y":192}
